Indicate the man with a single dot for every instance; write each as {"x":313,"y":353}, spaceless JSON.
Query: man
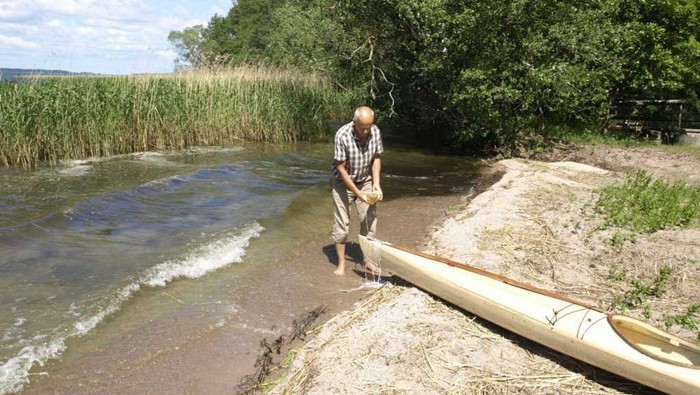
{"x":356,"y":170}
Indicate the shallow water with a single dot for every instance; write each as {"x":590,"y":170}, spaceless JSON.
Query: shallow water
{"x":160,"y":235}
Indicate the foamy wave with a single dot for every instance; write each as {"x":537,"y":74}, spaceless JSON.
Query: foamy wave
{"x":76,"y":162}
{"x":76,"y":168}
{"x":202,"y":260}
{"x":204,"y":150}
{"x":205,"y":259}
{"x":163,"y":181}
{"x":15,"y":372}
{"x":405,"y":177}
{"x":122,"y":296}
{"x":154,"y":158}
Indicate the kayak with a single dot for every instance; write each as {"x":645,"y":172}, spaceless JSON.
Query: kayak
{"x":613,"y":342}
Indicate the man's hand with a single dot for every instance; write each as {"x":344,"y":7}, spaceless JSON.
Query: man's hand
{"x":374,"y":196}
{"x":378,"y":191}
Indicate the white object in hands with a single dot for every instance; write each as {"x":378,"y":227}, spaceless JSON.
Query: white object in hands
{"x":372,"y":197}
{"x":377,"y":191}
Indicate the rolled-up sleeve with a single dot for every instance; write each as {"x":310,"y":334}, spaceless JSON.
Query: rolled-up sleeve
{"x":379,"y":147}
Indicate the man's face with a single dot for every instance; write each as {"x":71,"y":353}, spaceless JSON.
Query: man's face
{"x":362,"y":130}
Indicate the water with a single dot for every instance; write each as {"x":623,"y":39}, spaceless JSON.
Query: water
{"x":81,"y":242}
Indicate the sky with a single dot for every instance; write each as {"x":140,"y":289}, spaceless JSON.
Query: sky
{"x":105,"y":36}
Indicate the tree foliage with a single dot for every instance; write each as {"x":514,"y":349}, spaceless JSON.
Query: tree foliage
{"x":190,"y":47}
{"x":474,"y":74}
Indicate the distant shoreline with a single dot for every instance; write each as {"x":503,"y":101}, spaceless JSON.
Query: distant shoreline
{"x":13,"y":74}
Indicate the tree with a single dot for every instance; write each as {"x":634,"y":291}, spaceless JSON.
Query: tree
{"x":475,"y":74}
{"x":659,"y":49}
{"x":243,"y":35}
{"x":190,"y":48}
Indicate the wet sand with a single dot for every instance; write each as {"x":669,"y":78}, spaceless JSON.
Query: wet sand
{"x":214,"y":362}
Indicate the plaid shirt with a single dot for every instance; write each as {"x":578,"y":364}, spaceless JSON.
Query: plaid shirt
{"x":357,"y":157}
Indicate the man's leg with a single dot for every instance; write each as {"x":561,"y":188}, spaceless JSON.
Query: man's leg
{"x":341,"y":222}
{"x":368,"y":224}
{"x":340,"y":250}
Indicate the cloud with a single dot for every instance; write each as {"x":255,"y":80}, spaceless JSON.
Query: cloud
{"x":175,"y":23}
{"x":222,"y":7}
{"x":17,"y":42}
{"x":114,"y":36}
{"x":54,"y":24}
{"x":13,"y":11}
{"x":63,"y":7}
{"x":19,"y":29}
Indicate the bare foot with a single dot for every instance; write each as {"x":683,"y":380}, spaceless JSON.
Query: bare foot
{"x":340,"y":271}
{"x":370,"y":267}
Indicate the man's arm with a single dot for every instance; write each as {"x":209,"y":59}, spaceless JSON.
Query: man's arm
{"x":376,"y":173}
{"x":340,"y":165}
{"x":376,"y":170}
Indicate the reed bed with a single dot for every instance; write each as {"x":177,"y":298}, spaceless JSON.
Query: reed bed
{"x":51,"y":119}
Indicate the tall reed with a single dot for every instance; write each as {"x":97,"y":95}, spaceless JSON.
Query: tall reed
{"x":50,"y":119}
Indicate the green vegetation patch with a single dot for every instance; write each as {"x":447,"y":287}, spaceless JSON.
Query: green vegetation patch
{"x":689,"y":320}
{"x":644,"y":204}
{"x":640,"y":291}
{"x":76,"y":117}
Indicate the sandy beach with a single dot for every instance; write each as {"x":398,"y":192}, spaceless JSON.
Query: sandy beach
{"x":536,"y":224}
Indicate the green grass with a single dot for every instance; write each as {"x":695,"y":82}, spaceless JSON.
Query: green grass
{"x":644,"y":204}
{"x":689,"y":320}
{"x":640,"y":290}
{"x":617,"y":274}
{"x":583,"y":133}
{"x":51,"y":119}
{"x":618,"y":239}
{"x":661,"y":280}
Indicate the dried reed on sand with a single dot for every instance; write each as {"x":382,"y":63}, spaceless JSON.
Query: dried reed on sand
{"x":401,"y":340}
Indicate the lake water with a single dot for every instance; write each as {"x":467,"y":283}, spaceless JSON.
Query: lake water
{"x":83,"y":241}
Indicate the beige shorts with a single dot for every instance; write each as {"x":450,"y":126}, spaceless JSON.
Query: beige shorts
{"x":342,"y":199}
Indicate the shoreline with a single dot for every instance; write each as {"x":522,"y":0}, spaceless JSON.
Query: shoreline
{"x":287,"y":291}
{"x":531,"y":225}
{"x":208,"y":365}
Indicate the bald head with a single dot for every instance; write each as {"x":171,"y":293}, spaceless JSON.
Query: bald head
{"x":364,"y":115}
